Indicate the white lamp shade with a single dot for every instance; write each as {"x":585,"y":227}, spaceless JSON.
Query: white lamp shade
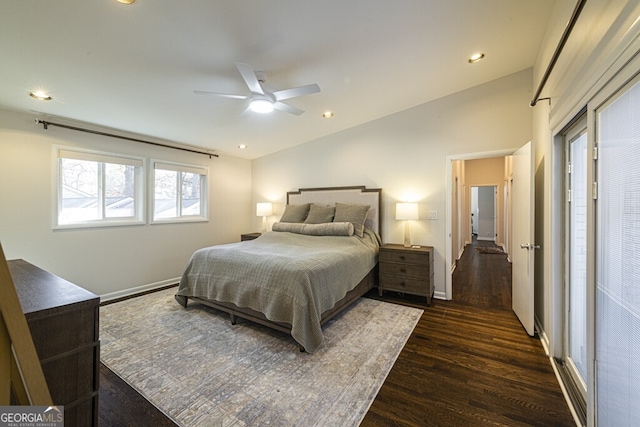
{"x":264,"y":209}
{"x":407,"y":211}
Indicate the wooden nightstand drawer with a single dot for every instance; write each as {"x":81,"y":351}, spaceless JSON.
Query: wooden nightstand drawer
{"x":249,"y":236}
{"x":404,"y":257}
{"x":405,"y":270}
{"x":403,"y":284}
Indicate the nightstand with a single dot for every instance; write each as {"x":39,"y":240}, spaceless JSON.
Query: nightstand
{"x":406,"y":270}
{"x":249,"y":236}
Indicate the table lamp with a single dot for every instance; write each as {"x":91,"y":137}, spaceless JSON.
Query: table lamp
{"x":407,"y":212}
{"x":264,"y":210}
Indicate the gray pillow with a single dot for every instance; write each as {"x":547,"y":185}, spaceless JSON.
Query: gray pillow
{"x":325,"y":229}
{"x":320,"y":214}
{"x":295,"y":213}
{"x":355,"y":214}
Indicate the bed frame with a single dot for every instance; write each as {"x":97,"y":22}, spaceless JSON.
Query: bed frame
{"x":324,"y":196}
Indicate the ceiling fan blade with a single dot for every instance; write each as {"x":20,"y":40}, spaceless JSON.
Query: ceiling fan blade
{"x":249,"y":77}
{"x":281,"y":106}
{"x":224,"y":95}
{"x":296,"y":91}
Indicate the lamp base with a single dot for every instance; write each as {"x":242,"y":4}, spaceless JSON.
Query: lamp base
{"x":407,"y":234}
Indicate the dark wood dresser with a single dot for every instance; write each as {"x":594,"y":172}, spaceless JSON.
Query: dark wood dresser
{"x":63,"y":320}
{"x":406,"y":270}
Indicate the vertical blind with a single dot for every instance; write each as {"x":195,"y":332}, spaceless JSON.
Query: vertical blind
{"x":618,"y":260}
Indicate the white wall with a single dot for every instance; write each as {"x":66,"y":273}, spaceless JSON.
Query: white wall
{"x":405,"y":154}
{"x":107,"y":261}
{"x":605,"y":37}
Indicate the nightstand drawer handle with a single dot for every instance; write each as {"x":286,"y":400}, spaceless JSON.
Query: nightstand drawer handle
{"x":402,"y":284}
{"x":402,"y":257}
{"x":402,"y":270}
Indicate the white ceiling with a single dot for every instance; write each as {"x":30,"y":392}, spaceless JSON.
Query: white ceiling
{"x":135,"y":67}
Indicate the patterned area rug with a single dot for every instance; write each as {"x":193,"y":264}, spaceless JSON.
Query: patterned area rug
{"x":490,"y":250}
{"x":201,"y":370}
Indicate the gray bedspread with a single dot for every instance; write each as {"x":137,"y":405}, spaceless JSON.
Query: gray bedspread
{"x":291,"y":278}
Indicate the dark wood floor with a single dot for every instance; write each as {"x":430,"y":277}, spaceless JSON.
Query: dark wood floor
{"x":468,"y":362}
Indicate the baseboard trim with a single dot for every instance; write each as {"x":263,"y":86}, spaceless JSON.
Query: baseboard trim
{"x":544,"y":339}
{"x":127,"y":293}
{"x":439,"y":295}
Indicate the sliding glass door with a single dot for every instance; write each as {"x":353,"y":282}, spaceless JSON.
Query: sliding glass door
{"x":575,"y":355}
{"x":617,"y":317}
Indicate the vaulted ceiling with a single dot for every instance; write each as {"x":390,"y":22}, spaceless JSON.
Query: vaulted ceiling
{"x":135,"y":67}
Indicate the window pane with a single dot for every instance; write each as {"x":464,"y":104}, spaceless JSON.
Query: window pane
{"x":166,"y":194}
{"x":578,"y":256}
{"x":80,"y":199}
{"x":191,"y":194}
{"x":120,"y":190}
{"x":617,"y":262}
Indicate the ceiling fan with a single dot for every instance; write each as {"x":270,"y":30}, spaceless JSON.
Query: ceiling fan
{"x":261,"y":99}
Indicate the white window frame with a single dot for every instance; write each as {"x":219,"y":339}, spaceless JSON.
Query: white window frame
{"x":100,"y":157}
{"x":179,"y":167}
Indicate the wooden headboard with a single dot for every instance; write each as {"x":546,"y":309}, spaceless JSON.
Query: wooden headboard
{"x":328,"y":196}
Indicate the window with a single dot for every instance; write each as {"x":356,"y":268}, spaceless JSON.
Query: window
{"x":98,"y":189}
{"x":180,"y":192}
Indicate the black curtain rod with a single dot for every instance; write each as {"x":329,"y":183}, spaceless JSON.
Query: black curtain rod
{"x":556,"y":54}
{"x":46,"y":124}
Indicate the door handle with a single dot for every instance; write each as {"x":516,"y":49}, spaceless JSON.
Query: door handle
{"x":529,"y":246}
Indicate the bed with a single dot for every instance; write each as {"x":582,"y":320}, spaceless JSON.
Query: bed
{"x":309,"y":268}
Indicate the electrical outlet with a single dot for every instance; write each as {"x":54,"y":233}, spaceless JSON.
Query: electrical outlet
{"x":432,"y":215}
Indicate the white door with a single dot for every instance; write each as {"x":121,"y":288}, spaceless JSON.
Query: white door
{"x":522,"y":199}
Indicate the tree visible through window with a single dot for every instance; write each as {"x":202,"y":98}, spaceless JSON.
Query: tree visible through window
{"x":179,"y":192}
{"x":96,"y":188}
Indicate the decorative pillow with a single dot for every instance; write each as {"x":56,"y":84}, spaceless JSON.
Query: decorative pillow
{"x":295,"y":213}
{"x":320,"y":214}
{"x":355,"y":214}
{"x":325,"y":229}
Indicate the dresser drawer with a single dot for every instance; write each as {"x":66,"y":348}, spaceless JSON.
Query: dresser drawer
{"x":404,"y":257}
{"x":402,"y":284}
{"x":405,"y":270}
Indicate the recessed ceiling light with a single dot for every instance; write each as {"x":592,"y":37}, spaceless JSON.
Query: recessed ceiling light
{"x":327,"y":114}
{"x":242,"y":146}
{"x":126,"y":1}
{"x":476,"y":57}
{"x":40,"y":95}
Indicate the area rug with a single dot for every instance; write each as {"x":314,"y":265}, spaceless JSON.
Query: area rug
{"x":200,"y":370}
{"x":490,"y":250}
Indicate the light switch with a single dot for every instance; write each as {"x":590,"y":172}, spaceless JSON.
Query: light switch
{"x":432,"y":215}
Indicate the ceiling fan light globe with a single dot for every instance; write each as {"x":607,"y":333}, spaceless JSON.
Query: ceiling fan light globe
{"x":261,"y":106}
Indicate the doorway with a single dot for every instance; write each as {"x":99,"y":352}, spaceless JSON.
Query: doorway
{"x":484,"y":204}
{"x":461,"y":178}
{"x":480,"y":170}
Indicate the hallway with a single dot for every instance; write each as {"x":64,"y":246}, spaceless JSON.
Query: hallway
{"x":482,"y":279}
